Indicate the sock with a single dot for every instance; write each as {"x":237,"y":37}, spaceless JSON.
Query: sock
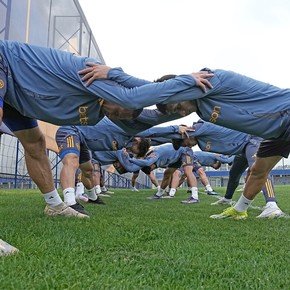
{"x":227,"y":199}
{"x":160,"y":192}
{"x":268,"y":191}
{"x":98,"y":189}
{"x":208,"y":187}
{"x":172,"y":191}
{"x":69,"y":196}
{"x":242,"y":204}
{"x":158,"y":187}
{"x":52,"y":198}
{"x":79,"y":189}
{"x":91,"y":193}
{"x":272,"y":204}
{"x":194,"y":192}
{"x":104,"y":188}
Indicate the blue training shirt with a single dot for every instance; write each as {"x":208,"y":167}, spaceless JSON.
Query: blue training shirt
{"x":43,"y":83}
{"x":238,"y":102}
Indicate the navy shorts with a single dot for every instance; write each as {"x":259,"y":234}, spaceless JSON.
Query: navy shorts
{"x":15,"y":121}
{"x":69,"y":140}
{"x":269,"y":148}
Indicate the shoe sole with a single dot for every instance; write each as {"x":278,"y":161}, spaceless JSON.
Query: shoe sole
{"x":220,"y":217}
{"x":51,"y":213}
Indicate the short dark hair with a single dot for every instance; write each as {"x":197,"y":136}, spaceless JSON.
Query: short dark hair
{"x":162,"y":107}
{"x":177,"y":143}
{"x":165,"y":78}
{"x":137,"y":113}
{"x":144,"y":146}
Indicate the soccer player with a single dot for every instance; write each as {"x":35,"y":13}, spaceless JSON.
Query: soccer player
{"x":247,"y":105}
{"x":76,"y":142}
{"x":165,"y":156}
{"x":213,"y":160}
{"x":210,"y":137}
{"x":43,"y":83}
{"x":150,"y":175}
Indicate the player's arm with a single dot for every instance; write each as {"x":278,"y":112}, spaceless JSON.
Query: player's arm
{"x":126,"y":161}
{"x":182,"y":87}
{"x":165,"y":131}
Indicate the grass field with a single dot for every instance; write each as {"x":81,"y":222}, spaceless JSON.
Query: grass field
{"x":136,"y":243}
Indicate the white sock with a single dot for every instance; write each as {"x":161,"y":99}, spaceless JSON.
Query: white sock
{"x":272,"y":204}
{"x":172,"y":191}
{"x":158,"y":187}
{"x":91,"y":193}
{"x":98,"y":189}
{"x":227,"y":199}
{"x":242,"y":204}
{"x":160,"y":192}
{"x":79,"y":189}
{"x":52,"y":198}
{"x":208,"y":187}
{"x":194,"y":192}
{"x":69,"y":196}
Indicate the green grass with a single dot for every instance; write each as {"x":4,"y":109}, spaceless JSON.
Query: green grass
{"x":135,"y":243}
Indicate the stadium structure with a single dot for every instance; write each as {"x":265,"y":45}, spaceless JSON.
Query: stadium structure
{"x":62,"y":25}
{"x":50,"y":23}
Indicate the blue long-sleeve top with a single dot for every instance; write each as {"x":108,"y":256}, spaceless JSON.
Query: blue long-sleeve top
{"x":162,"y":156}
{"x":43,"y":83}
{"x":209,"y":158}
{"x":237,"y":102}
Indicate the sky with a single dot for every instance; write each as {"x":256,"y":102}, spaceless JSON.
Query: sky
{"x":155,"y":37}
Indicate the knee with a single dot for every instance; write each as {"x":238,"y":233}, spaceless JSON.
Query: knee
{"x":71,"y":160}
{"x":35,"y":147}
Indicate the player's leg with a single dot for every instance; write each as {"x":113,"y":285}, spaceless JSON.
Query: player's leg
{"x":192,"y":184}
{"x":271,"y":208}
{"x":175,"y":178}
{"x":38,"y":166}
{"x":269,"y":154}
{"x":91,"y":180}
{"x":204,"y":180}
{"x":69,"y":144}
{"x":154,"y":179}
{"x":133,"y":180}
{"x":165,"y":181}
{"x":239,"y":165}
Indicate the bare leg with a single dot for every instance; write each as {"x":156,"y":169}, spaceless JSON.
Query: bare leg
{"x":68,"y":171}
{"x":258,"y":175}
{"x":37,"y":162}
{"x":88,"y":177}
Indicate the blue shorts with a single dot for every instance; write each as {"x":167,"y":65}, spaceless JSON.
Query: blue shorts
{"x":70,"y":140}
{"x":15,"y":121}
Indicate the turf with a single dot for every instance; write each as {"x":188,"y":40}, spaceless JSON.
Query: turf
{"x":136,"y":243}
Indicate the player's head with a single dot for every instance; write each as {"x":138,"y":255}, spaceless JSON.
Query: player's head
{"x":187,"y":142}
{"x":116,"y":112}
{"x":183,"y":108}
{"x":140,"y":146}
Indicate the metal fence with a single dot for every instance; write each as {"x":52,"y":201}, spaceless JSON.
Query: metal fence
{"x":59,"y":24}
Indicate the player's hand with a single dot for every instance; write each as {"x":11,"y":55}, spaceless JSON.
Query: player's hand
{"x":202,"y":81}
{"x":94,"y":72}
{"x":183,"y":130}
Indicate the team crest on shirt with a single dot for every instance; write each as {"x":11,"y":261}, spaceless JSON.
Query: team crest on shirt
{"x":215,"y":114}
{"x":207,"y":146}
{"x":2,"y":84}
{"x":114,"y":145}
